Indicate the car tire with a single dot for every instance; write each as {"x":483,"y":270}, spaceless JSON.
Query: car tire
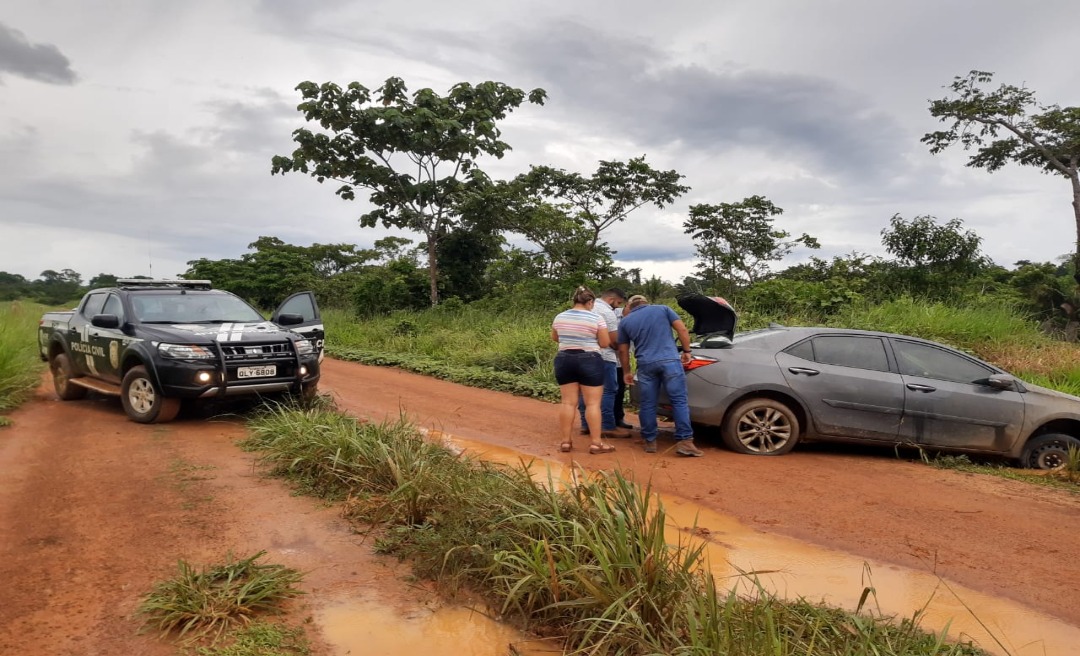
{"x":62,"y":374}
{"x":761,"y":427}
{"x":1048,"y":451}
{"x":142,"y":401}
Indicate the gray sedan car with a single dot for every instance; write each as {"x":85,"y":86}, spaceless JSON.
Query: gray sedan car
{"x":767,"y":390}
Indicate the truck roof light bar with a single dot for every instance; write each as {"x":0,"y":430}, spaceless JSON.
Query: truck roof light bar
{"x":146,"y":282}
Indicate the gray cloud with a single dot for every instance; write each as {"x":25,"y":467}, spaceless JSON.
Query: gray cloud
{"x":630,"y":85}
{"x":34,"y":61}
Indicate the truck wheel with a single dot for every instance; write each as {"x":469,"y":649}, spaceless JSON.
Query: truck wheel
{"x":142,"y":401}
{"x":62,"y":374}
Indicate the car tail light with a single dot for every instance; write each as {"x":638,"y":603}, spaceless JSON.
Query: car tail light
{"x":698,"y":361}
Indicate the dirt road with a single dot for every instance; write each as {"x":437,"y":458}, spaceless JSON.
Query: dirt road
{"x":94,"y":509}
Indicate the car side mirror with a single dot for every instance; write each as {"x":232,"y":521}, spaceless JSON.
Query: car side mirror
{"x":105,"y":321}
{"x":1001,"y":382}
{"x":289,"y":319}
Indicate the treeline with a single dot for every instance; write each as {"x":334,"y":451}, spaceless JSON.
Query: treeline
{"x":51,"y":287}
{"x":927,"y":259}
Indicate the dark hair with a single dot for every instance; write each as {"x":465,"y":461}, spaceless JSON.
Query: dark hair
{"x":616,"y":292}
{"x":583,"y":295}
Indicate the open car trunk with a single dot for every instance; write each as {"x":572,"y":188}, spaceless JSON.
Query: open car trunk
{"x":714,"y":319}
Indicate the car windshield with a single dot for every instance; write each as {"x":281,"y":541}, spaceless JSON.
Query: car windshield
{"x":192,"y":308}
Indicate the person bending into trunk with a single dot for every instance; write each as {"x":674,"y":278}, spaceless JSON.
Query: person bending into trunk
{"x":579,"y":369}
{"x":659,"y":364}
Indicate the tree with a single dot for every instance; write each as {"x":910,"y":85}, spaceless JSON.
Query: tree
{"x":102,"y":280}
{"x":12,"y":286}
{"x":276,"y":269}
{"x":55,"y":287}
{"x":1009,"y":125}
{"x":416,"y":155}
{"x":935,"y":258}
{"x":597,"y":202}
{"x":737,"y":241}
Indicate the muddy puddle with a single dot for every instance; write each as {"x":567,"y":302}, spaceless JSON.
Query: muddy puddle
{"x":370,"y":627}
{"x":785,"y":566}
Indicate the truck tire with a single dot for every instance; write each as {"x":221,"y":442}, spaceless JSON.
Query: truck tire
{"x":142,"y":401}
{"x":309,"y":392}
{"x":62,"y":373}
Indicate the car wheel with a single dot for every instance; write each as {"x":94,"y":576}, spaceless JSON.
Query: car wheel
{"x":1048,"y":451}
{"x":62,"y":373}
{"x":142,"y":401}
{"x":761,"y":427}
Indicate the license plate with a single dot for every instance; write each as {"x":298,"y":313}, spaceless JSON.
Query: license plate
{"x":256,"y":372}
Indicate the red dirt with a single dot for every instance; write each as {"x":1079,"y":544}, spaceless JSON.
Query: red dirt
{"x":94,"y":509}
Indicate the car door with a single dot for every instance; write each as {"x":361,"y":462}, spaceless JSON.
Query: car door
{"x":79,"y":341}
{"x":946,"y":406}
{"x":305,"y":305}
{"x":106,"y":342}
{"x":847,"y":384}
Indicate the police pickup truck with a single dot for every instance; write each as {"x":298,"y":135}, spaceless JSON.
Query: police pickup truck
{"x":154,"y":343}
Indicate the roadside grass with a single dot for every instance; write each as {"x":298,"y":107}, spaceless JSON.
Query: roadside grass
{"x":20,"y":367}
{"x":206,"y":603}
{"x":260,"y":639}
{"x":1066,"y":477}
{"x":590,"y":563}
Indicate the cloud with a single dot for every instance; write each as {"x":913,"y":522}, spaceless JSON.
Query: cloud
{"x":630,"y":84}
{"x":34,"y":61}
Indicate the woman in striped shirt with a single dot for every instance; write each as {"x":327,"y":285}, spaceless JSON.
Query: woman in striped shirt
{"x":580,"y":333}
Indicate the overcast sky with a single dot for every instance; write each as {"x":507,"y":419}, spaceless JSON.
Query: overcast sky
{"x":137,"y":135}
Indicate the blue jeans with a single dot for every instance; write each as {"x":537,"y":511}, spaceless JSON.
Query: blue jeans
{"x":607,"y":401}
{"x":650,"y":377}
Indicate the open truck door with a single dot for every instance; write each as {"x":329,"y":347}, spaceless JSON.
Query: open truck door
{"x":302,"y":306}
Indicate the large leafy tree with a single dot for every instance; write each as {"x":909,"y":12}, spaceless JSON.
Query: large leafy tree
{"x":414,"y":153}
{"x":598,"y":201}
{"x":737,"y":241}
{"x":1008,"y":125}
{"x":55,"y":287}
{"x":933,"y":257}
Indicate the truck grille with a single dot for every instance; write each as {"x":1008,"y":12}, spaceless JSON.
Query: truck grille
{"x":256,"y":352}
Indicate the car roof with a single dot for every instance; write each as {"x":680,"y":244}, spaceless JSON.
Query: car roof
{"x":796,"y":333}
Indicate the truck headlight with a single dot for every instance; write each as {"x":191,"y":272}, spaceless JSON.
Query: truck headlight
{"x":185,"y":352}
{"x":304,"y":347}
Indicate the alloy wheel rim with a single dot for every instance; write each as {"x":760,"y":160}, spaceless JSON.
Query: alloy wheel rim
{"x":763,"y":430}
{"x":141,"y":395}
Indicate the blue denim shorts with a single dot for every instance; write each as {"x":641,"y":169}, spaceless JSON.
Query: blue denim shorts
{"x":581,"y":367}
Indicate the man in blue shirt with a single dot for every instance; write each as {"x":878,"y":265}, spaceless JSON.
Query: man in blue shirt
{"x":647,"y":328}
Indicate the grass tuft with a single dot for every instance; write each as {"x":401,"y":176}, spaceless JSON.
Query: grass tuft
{"x":205,"y":603}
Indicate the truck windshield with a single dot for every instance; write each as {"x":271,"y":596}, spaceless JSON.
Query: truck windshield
{"x":192,"y":308}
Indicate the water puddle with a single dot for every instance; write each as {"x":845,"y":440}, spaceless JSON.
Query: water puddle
{"x":369,"y":627}
{"x":795,"y":569}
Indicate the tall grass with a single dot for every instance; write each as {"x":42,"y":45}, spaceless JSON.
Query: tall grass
{"x":515,"y":343}
{"x":592,"y":563}
{"x":20,"y":367}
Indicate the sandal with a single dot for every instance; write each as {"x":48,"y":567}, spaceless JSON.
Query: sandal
{"x":596,"y":449}
{"x":566,"y":447}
